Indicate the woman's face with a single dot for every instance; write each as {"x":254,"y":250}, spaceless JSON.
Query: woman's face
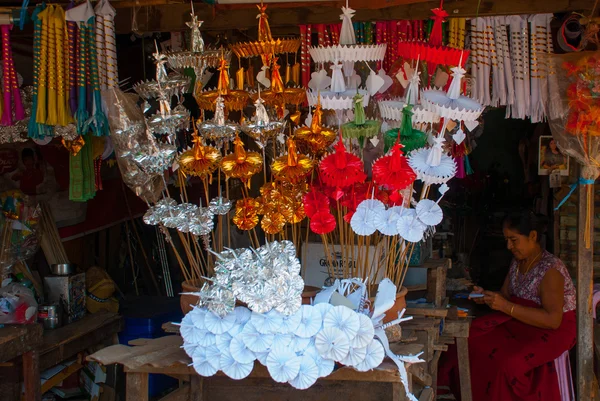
{"x":521,"y":246}
{"x":552,"y":145}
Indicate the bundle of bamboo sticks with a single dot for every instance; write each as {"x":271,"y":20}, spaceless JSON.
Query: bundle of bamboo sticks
{"x":52,"y":246}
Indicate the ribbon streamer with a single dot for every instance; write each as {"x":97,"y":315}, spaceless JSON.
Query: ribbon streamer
{"x":580,"y":181}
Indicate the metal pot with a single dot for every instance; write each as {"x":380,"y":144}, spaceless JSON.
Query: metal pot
{"x":49,"y":316}
{"x":63,"y":269}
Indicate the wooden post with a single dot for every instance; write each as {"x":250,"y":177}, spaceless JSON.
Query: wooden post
{"x":585,"y":281}
{"x":31,"y":376}
{"x":136,"y":386}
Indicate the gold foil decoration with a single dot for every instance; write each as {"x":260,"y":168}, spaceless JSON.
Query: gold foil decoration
{"x":293,"y":166}
{"x":239,"y":78}
{"x":288,"y":74}
{"x":233,"y":99}
{"x":241,"y":164}
{"x":200,"y":161}
{"x":272,"y":223}
{"x":316,"y":136}
{"x":295,"y":117}
{"x":74,"y":146}
{"x":296,"y":73}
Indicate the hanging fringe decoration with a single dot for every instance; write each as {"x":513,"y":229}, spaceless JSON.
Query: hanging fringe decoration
{"x":35,"y":129}
{"x":98,"y":122}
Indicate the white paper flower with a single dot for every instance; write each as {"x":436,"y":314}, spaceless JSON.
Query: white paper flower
{"x":344,"y":319}
{"x":189,"y":348}
{"x":290,"y":323}
{"x":240,"y":352}
{"x":310,"y":321}
{"x":355,"y":356}
{"x":367,"y":213}
{"x":262,"y":357}
{"x":307,"y":374}
{"x":282,"y":340}
{"x":325,"y":365}
{"x":365,"y":333}
{"x":219,"y":325}
{"x":254,"y":340}
{"x":300,"y":344}
{"x":323,"y":308}
{"x":411,"y":229}
{"x":283,"y":364}
{"x":223,"y":341}
{"x":267,"y":323}
{"x":242,"y":315}
{"x":374,"y":357}
{"x":387,"y":222}
{"x":197,"y":317}
{"x":332,"y":343}
{"x":233,"y":368}
{"x":202,"y":363}
{"x":429,"y":212}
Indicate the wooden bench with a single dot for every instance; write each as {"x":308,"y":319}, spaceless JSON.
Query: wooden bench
{"x":18,"y":346}
{"x":165,"y":356}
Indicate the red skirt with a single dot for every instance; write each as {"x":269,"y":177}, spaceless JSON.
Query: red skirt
{"x":511,"y":360}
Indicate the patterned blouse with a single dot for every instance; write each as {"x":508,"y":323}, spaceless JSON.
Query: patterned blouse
{"x":528,"y":286}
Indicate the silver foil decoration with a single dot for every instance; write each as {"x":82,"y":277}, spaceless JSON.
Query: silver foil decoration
{"x":196,"y":36}
{"x":261,"y":128}
{"x":18,"y":131}
{"x":218,"y":129}
{"x":220,"y":206}
{"x":266,"y":278}
{"x":136,"y":150}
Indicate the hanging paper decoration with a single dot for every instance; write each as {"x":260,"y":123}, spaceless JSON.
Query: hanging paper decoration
{"x":241,"y":163}
{"x":411,"y":138}
{"x":392,"y":171}
{"x":341,"y":169}
{"x":292,"y":167}
{"x":316,"y":136}
{"x":361,"y":127}
{"x":234,"y":99}
{"x":260,"y":127}
{"x":200,"y":161}
{"x":105,"y":13}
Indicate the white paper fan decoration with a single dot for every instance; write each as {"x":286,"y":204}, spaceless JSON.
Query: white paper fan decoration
{"x":310,"y":321}
{"x":365,"y":333}
{"x":387,"y":222}
{"x":262,"y":357}
{"x":217,"y":324}
{"x":323,"y":308}
{"x":242,"y":315}
{"x":300,"y":344}
{"x":355,"y":356}
{"x":233,"y":368}
{"x":236,"y":329}
{"x":189,"y":333}
{"x":189,"y":348}
{"x":223,"y":341}
{"x":202,"y":367}
{"x":332,"y":343}
{"x":429,"y":212}
{"x":196,"y":315}
{"x":343,"y":319}
{"x":290,"y":323}
{"x":411,"y":229}
{"x":307,"y":374}
{"x":374,"y":357}
{"x":282,"y":340}
{"x":267,"y":323}
{"x":325,"y":365}
{"x":283,"y":364}
{"x":431,"y":174}
{"x":254,"y":340}
{"x":367,"y":212}
{"x":240,"y":352}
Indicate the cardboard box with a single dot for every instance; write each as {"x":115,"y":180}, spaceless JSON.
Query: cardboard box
{"x":69,"y":293}
{"x":315,"y":262}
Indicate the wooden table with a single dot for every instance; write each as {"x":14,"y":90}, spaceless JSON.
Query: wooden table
{"x":459,"y":329}
{"x":20,"y":342}
{"x":165,"y":356}
{"x":44,"y":350}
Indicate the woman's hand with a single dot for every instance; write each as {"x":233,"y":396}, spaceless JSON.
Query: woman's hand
{"x":478,"y":290}
{"x":495,"y":300}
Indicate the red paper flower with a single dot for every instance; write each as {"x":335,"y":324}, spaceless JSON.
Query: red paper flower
{"x":315,"y":201}
{"x":396,"y":198}
{"x":341,"y":169}
{"x":322,"y":222}
{"x":393,"y":171}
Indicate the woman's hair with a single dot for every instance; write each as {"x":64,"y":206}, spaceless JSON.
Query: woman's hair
{"x":526,"y":221}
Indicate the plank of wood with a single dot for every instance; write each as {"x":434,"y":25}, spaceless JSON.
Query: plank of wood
{"x":31,"y":376}
{"x":464,"y":369}
{"x":196,"y":388}
{"x":136,"y":387}
{"x":585,"y":282}
{"x":55,"y":380}
{"x":17,"y":340}
{"x":456,"y":328}
{"x":434,"y":312}
{"x":66,"y":342}
{"x":427,"y":394}
{"x":181,"y":394}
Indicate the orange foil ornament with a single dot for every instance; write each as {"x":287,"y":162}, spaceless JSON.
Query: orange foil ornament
{"x":316,"y":136}
{"x":200,"y":161}
{"x":246,"y":214}
{"x":272,"y":223}
{"x":292,"y":167}
{"x":241,"y":164}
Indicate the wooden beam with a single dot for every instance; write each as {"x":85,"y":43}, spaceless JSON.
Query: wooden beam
{"x":585,"y":282}
{"x":172,"y":17}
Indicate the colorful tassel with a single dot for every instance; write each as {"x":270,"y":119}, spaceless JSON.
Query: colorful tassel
{"x":72,"y":61}
{"x":81,"y":116}
{"x":98,"y":122}
{"x":34,"y":129}
{"x":63,"y":117}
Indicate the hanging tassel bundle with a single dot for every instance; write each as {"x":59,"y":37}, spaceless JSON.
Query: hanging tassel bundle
{"x":63,"y":116}
{"x":81,"y":116}
{"x":98,"y":122}
{"x":100,"y":46}
{"x":110,"y":45}
{"x":52,"y":99}
{"x":35,"y":129}
{"x":11,"y":86}
{"x":72,"y":61}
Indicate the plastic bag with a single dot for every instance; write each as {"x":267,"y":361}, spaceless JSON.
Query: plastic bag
{"x":574,"y":107}
{"x":17,"y":305}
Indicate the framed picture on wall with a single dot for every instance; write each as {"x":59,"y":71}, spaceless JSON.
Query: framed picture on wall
{"x":550,"y":158}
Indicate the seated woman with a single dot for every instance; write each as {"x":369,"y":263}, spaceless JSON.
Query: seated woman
{"x":512,"y":351}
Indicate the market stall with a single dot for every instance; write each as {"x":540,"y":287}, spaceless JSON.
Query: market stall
{"x":292,"y":179}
